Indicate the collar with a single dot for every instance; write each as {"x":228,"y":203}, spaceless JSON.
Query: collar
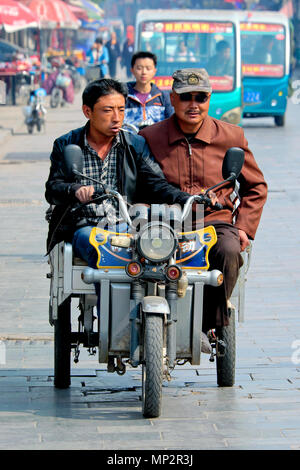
{"x":132,"y":91}
{"x":116,"y":141}
{"x":175,"y":133}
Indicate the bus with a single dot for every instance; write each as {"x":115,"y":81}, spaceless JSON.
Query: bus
{"x":191,"y":39}
{"x":265,"y":49}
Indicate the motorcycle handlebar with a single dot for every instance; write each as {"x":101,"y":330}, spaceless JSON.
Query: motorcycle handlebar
{"x":202,"y":199}
{"x":100,"y":195}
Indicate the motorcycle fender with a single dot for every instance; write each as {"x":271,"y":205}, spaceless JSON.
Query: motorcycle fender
{"x":155,"y":304}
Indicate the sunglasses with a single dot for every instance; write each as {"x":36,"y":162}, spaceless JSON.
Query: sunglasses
{"x":201,"y":97}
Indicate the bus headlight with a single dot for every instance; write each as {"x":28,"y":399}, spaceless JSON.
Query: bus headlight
{"x":233,"y":116}
{"x":157,"y":242}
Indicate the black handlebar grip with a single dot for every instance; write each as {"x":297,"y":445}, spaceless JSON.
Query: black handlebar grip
{"x":218,"y":206}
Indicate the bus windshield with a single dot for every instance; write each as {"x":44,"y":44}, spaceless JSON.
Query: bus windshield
{"x":263,"y":49}
{"x":191,"y":44}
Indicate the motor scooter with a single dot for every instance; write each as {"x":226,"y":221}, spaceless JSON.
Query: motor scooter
{"x":35,"y":112}
{"x":151,"y":275}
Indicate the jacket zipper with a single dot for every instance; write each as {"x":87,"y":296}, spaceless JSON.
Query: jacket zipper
{"x":190,"y":162}
{"x":144,"y":104}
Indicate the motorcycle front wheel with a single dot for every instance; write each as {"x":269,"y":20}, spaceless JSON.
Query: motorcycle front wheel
{"x":226,"y":362}
{"x":152,"y":369}
{"x":62,"y":346}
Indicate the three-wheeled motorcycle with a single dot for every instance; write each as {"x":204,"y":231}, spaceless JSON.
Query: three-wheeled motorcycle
{"x":151,"y":274}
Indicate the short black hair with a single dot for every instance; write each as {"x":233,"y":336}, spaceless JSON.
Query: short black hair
{"x":105,"y":86}
{"x":143,"y":55}
{"x":222,"y":45}
{"x":99,"y":41}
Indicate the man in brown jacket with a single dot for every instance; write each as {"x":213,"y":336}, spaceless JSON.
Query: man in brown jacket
{"x":190,"y":147}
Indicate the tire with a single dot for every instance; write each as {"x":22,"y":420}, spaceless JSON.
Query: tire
{"x":279,"y":120}
{"x":55,"y":98}
{"x":226,"y":363}
{"x":62,"y":346}
{"x":152,"y":369}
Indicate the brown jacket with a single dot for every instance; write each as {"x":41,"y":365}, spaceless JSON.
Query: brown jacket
{"x":198,"y":165}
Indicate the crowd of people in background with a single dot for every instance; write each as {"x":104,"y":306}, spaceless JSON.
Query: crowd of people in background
{"x":102,"y":58}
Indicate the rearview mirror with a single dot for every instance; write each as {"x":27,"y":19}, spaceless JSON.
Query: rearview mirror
{"x":73,"y":161}
{"x":233,"y":163}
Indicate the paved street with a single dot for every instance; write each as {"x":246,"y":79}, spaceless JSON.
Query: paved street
{"x":103,"y":411}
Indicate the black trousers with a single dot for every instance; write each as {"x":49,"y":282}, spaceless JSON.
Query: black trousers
{"x":225,"y":256}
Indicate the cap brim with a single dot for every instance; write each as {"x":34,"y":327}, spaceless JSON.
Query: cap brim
{"x":190,"y":89}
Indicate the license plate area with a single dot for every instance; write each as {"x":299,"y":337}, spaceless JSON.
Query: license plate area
{"x":251,"y":96}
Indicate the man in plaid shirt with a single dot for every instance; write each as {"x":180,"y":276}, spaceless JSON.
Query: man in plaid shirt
{"x":120,"y":160}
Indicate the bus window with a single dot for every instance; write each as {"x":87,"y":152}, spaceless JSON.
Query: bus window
{"x":263,"y":49}
{"x":193,"y":44}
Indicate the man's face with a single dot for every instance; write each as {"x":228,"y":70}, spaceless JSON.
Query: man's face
{"x":143,"y":70}
{"x":182,"y":46}
{"x":190,"y":113}
{"x":225,"y":54}
{"x":107,"y":115}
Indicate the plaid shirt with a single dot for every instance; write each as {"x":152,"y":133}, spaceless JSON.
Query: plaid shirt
{"x":104,"y":171}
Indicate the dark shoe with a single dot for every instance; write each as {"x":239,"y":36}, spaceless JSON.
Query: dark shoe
{"x":205,"y":344}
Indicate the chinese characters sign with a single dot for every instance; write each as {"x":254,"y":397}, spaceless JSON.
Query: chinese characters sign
{"x":188,"y":27}
{"x":258,"y":70}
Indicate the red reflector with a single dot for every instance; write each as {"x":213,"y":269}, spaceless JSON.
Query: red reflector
{"x":134,"y":269}
{"x":173,"y":273}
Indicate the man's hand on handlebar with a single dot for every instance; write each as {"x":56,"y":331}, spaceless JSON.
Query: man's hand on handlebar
{"x":85,"y":193}
{"x":213,"y":197}
{"x":213,"y":201}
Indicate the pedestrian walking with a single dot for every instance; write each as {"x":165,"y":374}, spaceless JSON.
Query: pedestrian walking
{"x":114,"y":51}
{"x":128,"y":49}
{"x":98,"y":59}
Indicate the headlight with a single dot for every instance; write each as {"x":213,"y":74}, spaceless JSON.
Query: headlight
{"x":233,"y":115}
{"x":157,"y":242}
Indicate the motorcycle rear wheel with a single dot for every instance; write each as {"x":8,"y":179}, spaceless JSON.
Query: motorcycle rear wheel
{"x":62,"y":346}
{"x":152,"y":369}
{"x":226,"y":363}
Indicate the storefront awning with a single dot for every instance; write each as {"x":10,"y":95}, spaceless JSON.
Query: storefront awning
{"x":14,"y":16}
{"x":79,"y":12}
{"x":93,"y":11}
{"x":53,"y":13}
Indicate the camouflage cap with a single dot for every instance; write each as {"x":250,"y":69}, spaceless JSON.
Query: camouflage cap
{"x":189,"y":80}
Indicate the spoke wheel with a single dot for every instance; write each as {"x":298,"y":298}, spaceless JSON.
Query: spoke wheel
{"x":152,"y":368}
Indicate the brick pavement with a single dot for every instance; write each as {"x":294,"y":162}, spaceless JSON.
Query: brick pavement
{"x":103,"y":411}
